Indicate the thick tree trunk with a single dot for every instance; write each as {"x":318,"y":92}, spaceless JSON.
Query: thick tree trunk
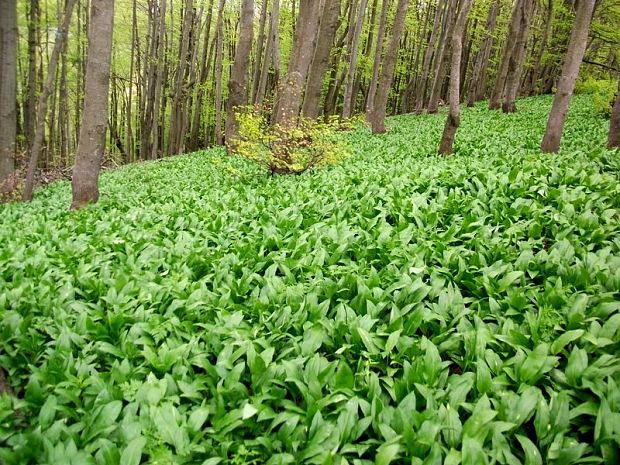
{"x":379,"y":108}
{"x":376,"y":66}
{"x":515,"y":65}
{"x":291,"y":88}
{"x":39,"y":133}
{"x":453,"y":121}
{"x":238,"y":82}
{"x":570,"y":71}
{"x":495,"y":102}
{"x":330,"y":20}
{"x":92,"y":133}
{"x":478,"y":79}
{"x":347,"y":108}
{"x":8,"y":87}
{"x":613,"y":141}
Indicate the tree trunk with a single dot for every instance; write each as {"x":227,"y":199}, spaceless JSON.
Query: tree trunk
{"x":325,"y":40}
{"x":478,"y":79}
{"x":260,"y":47}
{"x":30,"y":110}
{"x":238,"y":82}
{"x":515,"y":64}
{"x":441,"y":63}
{"x":290,"y":91}
{"x":202,"y":81}
{"x":272,"y":53}
{"x":347,"y":109}
{"x":379,"y":108}
{"x":536,"y":71}
{"x":39,"y":133}
{"x":570,"y":71}
{"x":453,"y":121}
{"x":495,"y":102}
{"x":219,"y":53}
{"x":91,"y":144}
{"x":8,"y":87}
{"x":613,"y":141}
{"x":376,"y":66}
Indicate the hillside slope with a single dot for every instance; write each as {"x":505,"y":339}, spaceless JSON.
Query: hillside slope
{"x":399,"y":305}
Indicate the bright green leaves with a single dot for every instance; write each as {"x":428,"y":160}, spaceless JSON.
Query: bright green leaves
{"x":393,"y":308}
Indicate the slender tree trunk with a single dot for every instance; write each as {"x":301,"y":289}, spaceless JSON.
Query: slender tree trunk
{"x":219,"y":57}
{"x":453,"y":121}
{"x":30,"y":110}
{"x":379,"y":108}
{"x":570,"y":71}
{"x":92,"y":134}
{"x":159,"y":73}
{"x":347,"y":108}
{"x":260,"y":47}
{"x":495,"y":102}
{"x":376,"y":66}
{"x":479,"y":76}
{"x":272,"y":53}
{"x":39,"y":133}
{"x":613,"y":141}
{"x":428,"y":57}
{"x":178,"y":114}
{"x":327,"y":32}
{"x":536,"y":71}
{"x":441,"y":64}
{"x":8,"y":87}
{"x":290,"y":92}
{"x":202,"y":81}
{"x":515,"y":64}
{"x":238,"y":82}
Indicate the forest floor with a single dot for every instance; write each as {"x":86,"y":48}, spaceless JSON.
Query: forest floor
{"x":399,"y":305}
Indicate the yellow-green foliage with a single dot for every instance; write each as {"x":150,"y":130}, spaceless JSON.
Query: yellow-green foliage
{"x":284,"y":150}
{"x":602,"y":91}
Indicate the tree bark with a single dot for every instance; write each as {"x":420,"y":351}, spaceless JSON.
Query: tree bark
{"x":613,"y":141}
{"x":453,"y":121}
{"x":260,"y":47}
{"x":536,"y":71}
{"x":376,"y":66}
{"x":379,"y":108}
{"x":238,"y":82}
{"x":39,"y":133}
{"x":441,"y":63}
{"x":219,"y":52}
{"x":479,"y":75}
{"x":30,"y":110}
{"x":290,"y":92}
{"x":8,"y":87}
{"x":495,"y":102}
{"x":325,"y":40}
{"x":515,"y":64}
{"x":347,"y":108}
{"x":570,"y":71}
{"x":92,"y":133}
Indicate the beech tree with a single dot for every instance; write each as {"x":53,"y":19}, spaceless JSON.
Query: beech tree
{"x":570,"y":71}
{"x":325,"y":40}
{"x":39,"y":130}
{"x":238,"y":82}
{"x":377,"y":114}
{"x":291,"y":88}
{"x":479,"y":75}
{"x":453,"y":120}
{"x":8,"y":87}
{"x":91,"y":143}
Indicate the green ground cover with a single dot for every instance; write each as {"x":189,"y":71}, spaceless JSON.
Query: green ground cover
{"x":398,"y":308}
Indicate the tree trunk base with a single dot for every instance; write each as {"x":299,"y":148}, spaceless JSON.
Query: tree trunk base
{"x":509,"y":107}
{"x":446,"y":146}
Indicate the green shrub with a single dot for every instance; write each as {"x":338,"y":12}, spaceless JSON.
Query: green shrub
{"x":602,"y":92}
{"x":294,"y":150}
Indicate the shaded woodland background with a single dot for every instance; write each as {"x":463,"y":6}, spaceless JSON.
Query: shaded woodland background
{"x":172,"y":60}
